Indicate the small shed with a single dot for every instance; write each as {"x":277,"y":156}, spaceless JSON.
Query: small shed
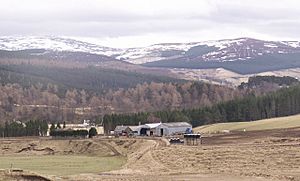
{"x":192,"y":139}
{"x":140,"y":130}
{"x":120,"y":130}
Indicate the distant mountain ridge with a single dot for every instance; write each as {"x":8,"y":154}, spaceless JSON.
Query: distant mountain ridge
{"x":53,"y":43}
{"x":241,"y":55}
{"x":83,"y":57}
{"x":218,"y":50}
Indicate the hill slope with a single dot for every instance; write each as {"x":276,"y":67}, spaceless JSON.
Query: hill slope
{"x":54,"y":43}
{"x":263,"y":63}
{"x":94,"y":79}
{"x":265,"y":124}
{"x":215,"y":50}
{"x":241,"y":55}
{"x":227,"y":50}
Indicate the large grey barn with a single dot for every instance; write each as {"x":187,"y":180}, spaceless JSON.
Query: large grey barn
{"x":166,"y":129}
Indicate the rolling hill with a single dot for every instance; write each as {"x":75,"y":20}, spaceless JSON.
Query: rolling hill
{"x":227,"y":50}
{"x":264,"y":63}
{"x":241,"y":55}
{"x":14,"y":43}
{"x":92,"y":79}
{"x":265,"y":124}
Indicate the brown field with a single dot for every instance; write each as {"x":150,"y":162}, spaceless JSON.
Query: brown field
{"x":260,"y":125}
{"x":254,"y":155}
{"x":219,"y":75}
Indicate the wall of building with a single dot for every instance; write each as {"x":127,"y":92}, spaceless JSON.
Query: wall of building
{"x":178,"y":130}
{"x":171,"y":130}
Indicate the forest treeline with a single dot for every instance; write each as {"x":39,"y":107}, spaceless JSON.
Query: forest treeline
{"x":39,"y":103}
{"x":29,"y":128}
{"x":283,"y":102}
{"x":262,"y":81}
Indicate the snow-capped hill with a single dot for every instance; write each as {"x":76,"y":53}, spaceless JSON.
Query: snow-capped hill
{"x":219,"y":50}
{"x":295,"y":44}
{"x":246,"y":48}
{"x":154,"y":52}
{"x":208,"y":51}
{"x":55,"y":44}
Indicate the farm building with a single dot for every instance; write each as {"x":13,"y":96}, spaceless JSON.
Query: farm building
{"x":131,"y":130}
{"x":120,"y":130}
{"x":166,"y":129}
{"x":155,"y":129}
{"x":140,"y":130}
{"x":192,"y":139}
{"x":152,"y":129}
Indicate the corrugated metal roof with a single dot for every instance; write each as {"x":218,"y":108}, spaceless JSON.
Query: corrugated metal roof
{"x":134,"y":128}
{"x":177,"y":124}
{"x":137,"y":128}
{"x":153,"y":125}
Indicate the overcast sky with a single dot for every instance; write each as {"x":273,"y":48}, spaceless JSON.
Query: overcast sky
{"x":128,"y":23}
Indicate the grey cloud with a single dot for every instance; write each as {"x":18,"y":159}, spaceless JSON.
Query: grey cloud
{"x":245,"y":14}
{"x":103,"y":22}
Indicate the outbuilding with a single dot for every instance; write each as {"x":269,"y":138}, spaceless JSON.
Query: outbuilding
{"x":140,"y":130}
{"x":153,"y":129}
{"x":173,"y":128}
{"x":120,"y":130}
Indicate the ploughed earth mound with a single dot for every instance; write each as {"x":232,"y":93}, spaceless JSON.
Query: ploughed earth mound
{"x":63,"y":147}
{"x":20,"y":175}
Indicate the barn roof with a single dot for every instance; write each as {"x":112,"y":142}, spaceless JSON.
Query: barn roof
{"x":153,"y":125}
{"x":134,"y":128}
{"x":137,"y":128}
{"x":177,"y":124}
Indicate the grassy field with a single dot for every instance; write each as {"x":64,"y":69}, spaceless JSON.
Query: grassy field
{"x":266,"y":124}
{"x":62,"y":164}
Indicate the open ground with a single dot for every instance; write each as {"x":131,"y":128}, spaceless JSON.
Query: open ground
{"x":227,"y":77}
{"x":260,"y":155}
{"x":266,"y":124}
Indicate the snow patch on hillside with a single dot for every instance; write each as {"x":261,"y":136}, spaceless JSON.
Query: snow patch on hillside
{"x":295,"y":44}
{"x":222,"y":50}
{"x":54,"y":43}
